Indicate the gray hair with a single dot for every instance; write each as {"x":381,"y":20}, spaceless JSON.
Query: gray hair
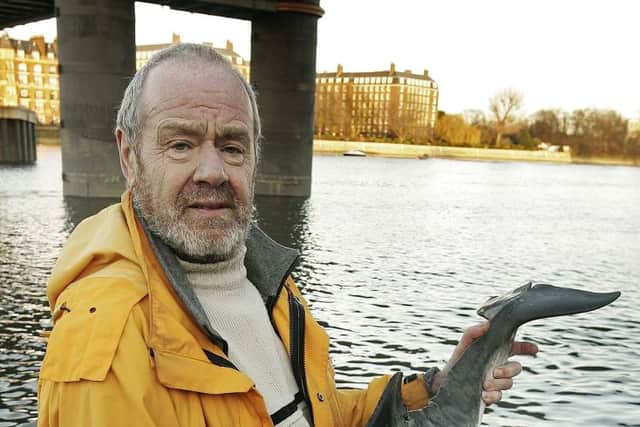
{"x":128,"y":119}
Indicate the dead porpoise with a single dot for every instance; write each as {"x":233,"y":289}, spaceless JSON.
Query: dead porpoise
{"x":458,"y":403}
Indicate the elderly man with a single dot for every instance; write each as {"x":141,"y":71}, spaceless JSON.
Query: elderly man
{"x":171,"y":308}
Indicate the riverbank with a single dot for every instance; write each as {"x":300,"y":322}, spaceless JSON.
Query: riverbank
{"x":380,"y":149}
{"x":48,"y":135}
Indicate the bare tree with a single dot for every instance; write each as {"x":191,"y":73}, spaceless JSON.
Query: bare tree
{"x":474,"y":117}
{"x":504,"y":107}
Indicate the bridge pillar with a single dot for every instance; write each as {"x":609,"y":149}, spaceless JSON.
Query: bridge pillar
{"x":17,"y":135}
{"x":96,"y":51}
{"x":283,"y":70}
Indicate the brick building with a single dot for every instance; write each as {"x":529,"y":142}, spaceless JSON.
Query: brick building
{"x":375,"y":104}
{"x":29,"y":76}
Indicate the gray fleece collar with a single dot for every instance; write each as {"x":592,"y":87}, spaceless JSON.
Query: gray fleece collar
{"x":268,"y":265}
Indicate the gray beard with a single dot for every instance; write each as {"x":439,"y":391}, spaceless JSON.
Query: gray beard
{"x":189,"y":243}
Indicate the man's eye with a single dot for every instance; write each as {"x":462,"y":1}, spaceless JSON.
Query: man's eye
{"x":180,"y":147}
{"x":231,"y":149}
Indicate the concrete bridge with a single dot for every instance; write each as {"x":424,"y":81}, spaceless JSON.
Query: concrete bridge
{"x":96,"y":52}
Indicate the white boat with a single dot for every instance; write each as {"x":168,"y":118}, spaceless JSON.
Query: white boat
{"x":355,"y":153}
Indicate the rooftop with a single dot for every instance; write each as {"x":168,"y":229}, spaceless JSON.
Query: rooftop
{"x":391,"y":72}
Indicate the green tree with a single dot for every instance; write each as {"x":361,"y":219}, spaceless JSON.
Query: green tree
{"x":451,"y":129}
{"x":524,"y":140}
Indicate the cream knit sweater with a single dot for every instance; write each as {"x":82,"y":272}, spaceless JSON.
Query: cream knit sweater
{"x":237,"y":312}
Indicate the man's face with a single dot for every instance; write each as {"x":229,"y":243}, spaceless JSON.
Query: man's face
{"x":193,"y":182}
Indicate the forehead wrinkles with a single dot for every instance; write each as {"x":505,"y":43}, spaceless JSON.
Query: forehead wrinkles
{"x":194,"y":91}
{"x":213,"y":101}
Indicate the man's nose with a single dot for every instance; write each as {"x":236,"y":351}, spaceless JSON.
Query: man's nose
{"x":210,"y":167}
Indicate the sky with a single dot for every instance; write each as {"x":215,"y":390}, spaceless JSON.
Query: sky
{"x":565,"y":54}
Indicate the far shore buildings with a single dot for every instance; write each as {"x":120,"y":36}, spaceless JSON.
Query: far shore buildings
{"x":29,"y":72}
{"x":375,"y":104}
{"x":349,"y":105}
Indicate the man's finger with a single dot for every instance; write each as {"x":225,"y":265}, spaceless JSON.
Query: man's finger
{"x":523,"y":348}
{"x":508,"y":370}
{"x":498,"y":384}
{"x":468,"y":337}
{"x":473,"y":333}
{"x":491,"y":397}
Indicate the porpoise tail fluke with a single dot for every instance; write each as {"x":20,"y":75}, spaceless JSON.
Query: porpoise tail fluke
{"x":458,"y":403}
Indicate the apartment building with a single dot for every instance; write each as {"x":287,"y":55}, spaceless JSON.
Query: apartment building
{"x":29,"y":76}
{"x":144,"y":52}
{"x":375,"y":104}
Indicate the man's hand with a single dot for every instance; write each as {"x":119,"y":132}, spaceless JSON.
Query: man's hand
{"x":502,"y":376}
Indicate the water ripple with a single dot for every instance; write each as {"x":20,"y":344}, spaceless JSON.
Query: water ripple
{"x":396,"y":256}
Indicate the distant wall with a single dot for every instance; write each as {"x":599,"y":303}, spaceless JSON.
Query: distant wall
{"x":608,"y":160}
{"x":412,"y":151}
{"x":48,"y":135}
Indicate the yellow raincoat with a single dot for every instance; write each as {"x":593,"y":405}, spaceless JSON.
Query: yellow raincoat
{"x":124,"y":351}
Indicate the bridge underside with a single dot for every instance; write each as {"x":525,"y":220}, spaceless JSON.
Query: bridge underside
{"x":96,"y":50}
{"x":18,"y":12}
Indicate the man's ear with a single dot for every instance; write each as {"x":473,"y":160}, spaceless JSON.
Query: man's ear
{"x":127,"y":158}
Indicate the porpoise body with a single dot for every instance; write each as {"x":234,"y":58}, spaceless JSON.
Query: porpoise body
{"x":458,"y":402}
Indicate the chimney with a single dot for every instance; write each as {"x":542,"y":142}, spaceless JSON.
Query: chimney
{"x":4,"y":40}
{"x":175,"y":39}
{"x":392,"y":69}
{"x":38,"y":41}
{"x":339,"y":73}
{"x":229,"y":45}
{"x":426,"y":73}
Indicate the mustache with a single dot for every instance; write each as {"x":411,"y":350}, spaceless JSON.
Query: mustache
{"x":206,"y":195}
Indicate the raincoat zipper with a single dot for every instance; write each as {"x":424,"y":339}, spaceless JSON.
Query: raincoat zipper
{"x":296,"y":339}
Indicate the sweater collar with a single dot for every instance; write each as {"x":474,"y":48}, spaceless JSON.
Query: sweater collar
{"x":268,"y":263}
{"x":219,"y":276}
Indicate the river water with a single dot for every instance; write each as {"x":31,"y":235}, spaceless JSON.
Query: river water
{"x":396,"y":256}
